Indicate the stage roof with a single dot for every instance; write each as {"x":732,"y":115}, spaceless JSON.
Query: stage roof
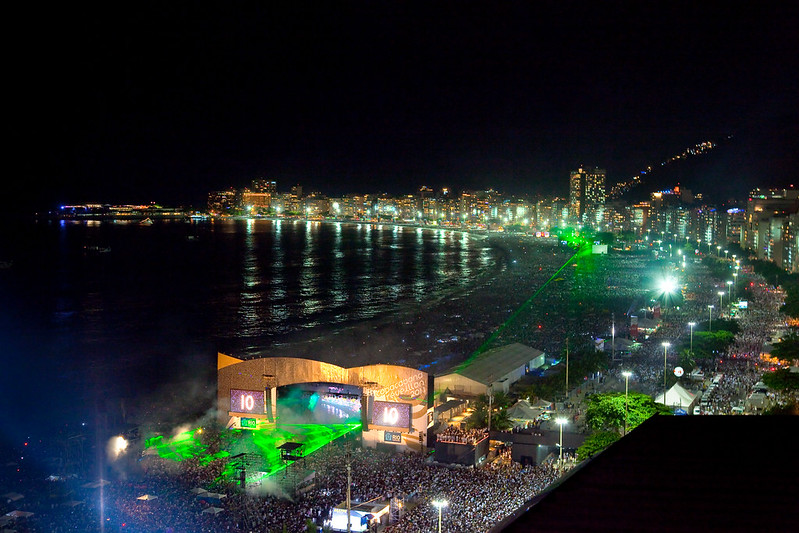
{"x":678,"y":473}
{"x":495,"y":363}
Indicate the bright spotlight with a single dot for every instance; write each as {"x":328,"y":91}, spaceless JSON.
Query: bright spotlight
{"x":117,"y":446}
{"x":668,"y":286}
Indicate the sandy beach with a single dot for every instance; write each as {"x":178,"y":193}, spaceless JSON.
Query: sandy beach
{"x":530,"y":298}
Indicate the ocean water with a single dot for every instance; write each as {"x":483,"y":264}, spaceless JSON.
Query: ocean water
{"x":94,"y":311}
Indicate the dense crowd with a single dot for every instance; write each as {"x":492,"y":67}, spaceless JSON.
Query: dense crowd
{"x":462,"y":436}
{"x":738,"y":369}
{"x":477,"y":497}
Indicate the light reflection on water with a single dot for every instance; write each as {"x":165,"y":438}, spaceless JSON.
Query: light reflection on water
{"x":171,"y":294}
{"x":262,"y":280}
{"x":333,"y":273}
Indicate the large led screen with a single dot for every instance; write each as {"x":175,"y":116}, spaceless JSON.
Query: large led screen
{"x":391,"y":414}
{"x":246,"y":401}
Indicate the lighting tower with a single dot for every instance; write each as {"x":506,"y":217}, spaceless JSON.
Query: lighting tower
{"x":665,"y":355}
{"x":626,"y":375}
{"x":440,"y":504}
{"x":560,"y":422}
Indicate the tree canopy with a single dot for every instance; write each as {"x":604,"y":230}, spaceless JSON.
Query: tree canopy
{"x":783,"y":380}
{"x":787,"y":349}
{"x":605,"y":412}
{"x":499,"y":413}
{"x":595,"y":443}
{"x":708,"y":344}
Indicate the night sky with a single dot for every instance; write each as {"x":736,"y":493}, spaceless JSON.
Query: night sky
{"x":165,"y":103}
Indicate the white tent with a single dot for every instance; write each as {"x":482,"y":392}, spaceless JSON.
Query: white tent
{"x":522,"y":410}
{"x":19,"y":514}
{"x":198,"y":490}
{"x":148,"y":497}
{"x":543,"y":404}
{"x":677,"y":397}
{"x":213,"y":510}
{"x":12,"y":496}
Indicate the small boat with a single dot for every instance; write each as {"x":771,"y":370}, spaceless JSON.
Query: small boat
{"x":4,"y":265}
{"x":147,"y":222}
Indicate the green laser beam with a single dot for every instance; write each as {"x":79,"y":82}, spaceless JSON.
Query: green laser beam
{"x":262,"y":442}
{"x":584,"y":249}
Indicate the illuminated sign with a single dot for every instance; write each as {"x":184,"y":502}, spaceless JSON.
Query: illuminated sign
{"x":246,"y":401}
{"x":249,"y":423}
{"x":391,"y":414}
{"x":393,"y":436}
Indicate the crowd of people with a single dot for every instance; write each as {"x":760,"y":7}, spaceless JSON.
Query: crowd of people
{"x":477,"y":497}
{"x":462,"y":436}
{"x":738,"y":369}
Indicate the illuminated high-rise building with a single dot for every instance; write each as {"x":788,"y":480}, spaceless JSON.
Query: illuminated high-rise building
{"x":586,"y":193}
{"x":264,"y":185}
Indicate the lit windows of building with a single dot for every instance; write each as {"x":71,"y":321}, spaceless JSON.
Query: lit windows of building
{"x":586,"y":193}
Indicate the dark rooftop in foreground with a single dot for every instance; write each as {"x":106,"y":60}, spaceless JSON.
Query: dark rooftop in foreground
{"x":679,"y":473}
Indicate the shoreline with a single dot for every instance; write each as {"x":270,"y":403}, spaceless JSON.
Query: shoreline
{"x":405,"y":336}
{"x":522,"y":302}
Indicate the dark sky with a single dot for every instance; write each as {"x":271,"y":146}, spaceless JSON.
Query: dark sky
{"x":164,"y":103}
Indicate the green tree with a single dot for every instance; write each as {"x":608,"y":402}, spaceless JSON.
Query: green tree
{"x":606,"y":412}
{"x":499,"y":415}
{"x":791,"y":307}
{"x":726,"y":324}
{"x":595,"y":443}
{"x":787,"y":349}
{"x":501,"y":400}
{"x":708,"y":344}
{"x":783,"y":380}
{"x":686,"y":360}
{"x":789,"y":409}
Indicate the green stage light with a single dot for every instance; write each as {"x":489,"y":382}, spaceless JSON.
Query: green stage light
{"x":260,"y":443}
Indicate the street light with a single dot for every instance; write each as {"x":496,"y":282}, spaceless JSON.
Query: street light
{"x":725,"y":254}
{"x":729,"y":291}
{"x":692,"y":324}
{"x":665,"y":355}
{"x":440,"y":504}
{"x":721,"y":301}
{"x":668,"y":289}
{"x":560,"y":422}
{"x":626,"y":375}
{"x":710,"y":318}
{"x":718,"y":249}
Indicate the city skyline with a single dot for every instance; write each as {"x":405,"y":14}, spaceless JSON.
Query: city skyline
{"x":166,"y":104}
